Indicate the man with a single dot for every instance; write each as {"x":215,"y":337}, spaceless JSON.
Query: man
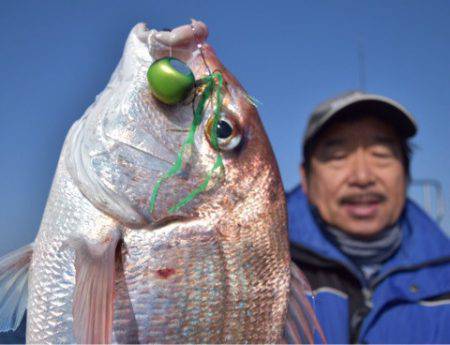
{"x":379,"y":267}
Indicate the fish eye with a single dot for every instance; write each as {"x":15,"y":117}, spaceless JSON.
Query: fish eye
{"x":228,"y":133}
{"x":224,"y":129}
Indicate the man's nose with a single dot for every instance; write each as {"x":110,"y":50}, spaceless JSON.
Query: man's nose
{"x":361,"y":174}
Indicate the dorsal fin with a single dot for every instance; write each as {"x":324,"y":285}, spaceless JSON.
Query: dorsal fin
{"x":14,"y":269}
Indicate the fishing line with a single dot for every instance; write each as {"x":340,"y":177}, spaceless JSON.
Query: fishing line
{"x":200,"y":48}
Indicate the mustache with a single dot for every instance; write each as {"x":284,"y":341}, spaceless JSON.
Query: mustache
{"x":362,"y":198}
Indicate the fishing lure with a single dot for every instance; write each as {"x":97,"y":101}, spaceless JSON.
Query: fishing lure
{"x":172,"y":82}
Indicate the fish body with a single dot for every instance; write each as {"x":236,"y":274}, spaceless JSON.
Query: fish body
{"x":107,"y":269}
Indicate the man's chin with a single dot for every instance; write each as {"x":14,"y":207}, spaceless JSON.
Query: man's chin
{"x":362,"y":228}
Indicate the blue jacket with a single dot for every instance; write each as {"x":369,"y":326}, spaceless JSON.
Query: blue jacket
{"x":409,"y":300}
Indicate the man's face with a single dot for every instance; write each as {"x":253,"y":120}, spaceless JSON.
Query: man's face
{"x":357,"y":180}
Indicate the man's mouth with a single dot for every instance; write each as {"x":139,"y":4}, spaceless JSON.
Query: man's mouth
{"x":362,"y":206}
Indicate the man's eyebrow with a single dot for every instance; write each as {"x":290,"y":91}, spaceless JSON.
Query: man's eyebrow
{"x":384,"y":139}
{"x":333,"y":142}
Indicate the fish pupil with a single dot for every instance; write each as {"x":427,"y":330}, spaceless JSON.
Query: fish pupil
{"x":224,"y":129}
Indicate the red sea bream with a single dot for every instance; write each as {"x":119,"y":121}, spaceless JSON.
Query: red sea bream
{"x":106,"y":267}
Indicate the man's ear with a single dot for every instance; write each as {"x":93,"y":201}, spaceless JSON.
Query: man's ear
{"x":303,"y":181}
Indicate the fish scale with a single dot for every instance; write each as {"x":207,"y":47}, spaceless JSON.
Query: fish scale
{"x":167,"y":291}
{"x":51,"y":297}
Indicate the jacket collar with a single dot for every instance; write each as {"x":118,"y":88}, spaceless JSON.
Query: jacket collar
{"x":423,"y":242}
{"x":305,"y":232}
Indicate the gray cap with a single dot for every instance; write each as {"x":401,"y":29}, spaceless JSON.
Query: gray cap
{"x":363,"y":103}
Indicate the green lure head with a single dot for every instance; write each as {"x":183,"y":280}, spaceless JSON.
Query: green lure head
{"x":170,"y":80}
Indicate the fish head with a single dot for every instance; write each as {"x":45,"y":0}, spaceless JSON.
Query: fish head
{"x":127,"y":142}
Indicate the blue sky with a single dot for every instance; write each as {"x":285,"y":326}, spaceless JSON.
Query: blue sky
{"x":56,"y":56}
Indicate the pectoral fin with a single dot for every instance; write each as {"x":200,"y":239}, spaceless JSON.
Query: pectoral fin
{"x":301,"y":326}
{"x":93,"y":300}
{"x":14,"y":287}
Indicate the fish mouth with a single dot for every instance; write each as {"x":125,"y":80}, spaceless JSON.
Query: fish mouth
{"x":184,"y":43}
{"x":186,"y":36}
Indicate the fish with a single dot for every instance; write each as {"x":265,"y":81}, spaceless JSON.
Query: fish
{"x":108,"y":266}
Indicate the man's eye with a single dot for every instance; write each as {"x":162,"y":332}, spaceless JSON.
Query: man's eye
{"x":382,"y":154}
{"x":338,"y":156}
